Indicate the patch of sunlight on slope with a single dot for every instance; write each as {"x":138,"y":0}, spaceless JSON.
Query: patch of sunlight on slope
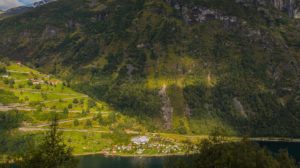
{"x":180,"y":72}
{"x":206,"y":125}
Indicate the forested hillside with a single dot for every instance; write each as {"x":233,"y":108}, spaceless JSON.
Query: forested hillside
{"x":185,"y":66}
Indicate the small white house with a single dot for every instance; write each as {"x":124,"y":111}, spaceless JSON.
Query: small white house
{"x":140,"y":140}
{"x":37,"y":81}
{"x":5,"y":76}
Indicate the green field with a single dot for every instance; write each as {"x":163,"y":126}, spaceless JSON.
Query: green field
{"x":88,"y":125}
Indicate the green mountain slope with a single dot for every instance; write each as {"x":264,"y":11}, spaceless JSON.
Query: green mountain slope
{"x":35,"y":98}
{"x":184,"y":66}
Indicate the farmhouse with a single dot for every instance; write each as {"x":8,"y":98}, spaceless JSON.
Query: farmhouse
{"x":37,"y":81}
{"x":5,"y":76}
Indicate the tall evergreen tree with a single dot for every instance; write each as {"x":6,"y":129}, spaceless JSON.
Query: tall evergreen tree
{"x":52,"y":152}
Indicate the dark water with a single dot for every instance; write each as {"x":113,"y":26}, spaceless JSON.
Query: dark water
{"x":99,"y":161}
{"x":292,"y":147}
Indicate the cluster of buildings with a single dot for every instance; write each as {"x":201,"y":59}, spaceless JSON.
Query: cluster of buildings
{"x":142,"y":145}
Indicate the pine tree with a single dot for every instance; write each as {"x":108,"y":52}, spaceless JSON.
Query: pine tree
{"x":52,"y":152}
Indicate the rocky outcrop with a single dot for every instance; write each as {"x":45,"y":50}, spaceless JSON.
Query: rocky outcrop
{"x":199,"y":14}
{"x":130,"y":69}
{"x":50,"y":32}
{"x":167,"y":109}
{"x":291,"y":7}
{"x":41,"y":3}
{"x":239,"y":107}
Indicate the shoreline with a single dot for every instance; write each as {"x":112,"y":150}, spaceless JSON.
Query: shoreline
{"x":275,"y":139}
{"x":130,"y":155}
{"x":252,"y":139}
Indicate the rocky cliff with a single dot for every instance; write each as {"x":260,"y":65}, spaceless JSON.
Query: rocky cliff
{"x":291,"y":7}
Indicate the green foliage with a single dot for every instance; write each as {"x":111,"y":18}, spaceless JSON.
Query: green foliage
{"x":252,"y":60}
{"x":38,"y":87}
{"x":9,"y":82}
{"x":100,"y":119}
{"x":2,"y":69}
{"x":84,"y":112}
{"x":76,"y":122}
{"x":239,"y":154}
{"x":7,"y":97}
{"x":29,"y":83}
{"x":112,"y":118}
{"x":70,"y":106}
{"x":88,"y":123}
{"x":217,"y":152}
{"x":135,"y":100}
{"x":10,"y":120}
{"x":51,"y":153}
{"x":113,"y":61}
{"x":120,"y":136}
{"x":91,"y":103}
{"x":75,"y":101}
{"x":66,"y":111}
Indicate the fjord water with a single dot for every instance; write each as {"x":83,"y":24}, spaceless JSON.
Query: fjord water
{"x":292,"y":147}
{"x":100,"y":161}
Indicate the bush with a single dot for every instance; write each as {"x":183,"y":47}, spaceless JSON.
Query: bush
{"x":2,"y":70}
{"x":100,"y":118}
{"x":75,"y":101}
{"x":70,"y":106}
{"x":66,"y":111}
{"x":91,"y":103}
{"x":76,"y":122}
{"x":29,"y":83}
{"x":88,"y":123}
{"x":38,"y":87}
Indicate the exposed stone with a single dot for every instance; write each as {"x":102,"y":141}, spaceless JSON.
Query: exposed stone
{"x":167,"y":109}
{"x":199,"y":14}
{"x":239,"y":107}
{"x":291,"y":7}
{"x":50,"y":32}
{"x":41,"y":3}
{"x":187,"y":111}
{"x":130,"y":69}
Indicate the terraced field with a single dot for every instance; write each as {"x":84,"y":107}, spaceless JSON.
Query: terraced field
{"x":88,"y":125}
{"x":40,"y":95}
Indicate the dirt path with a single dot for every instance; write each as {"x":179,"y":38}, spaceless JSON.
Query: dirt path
{"x":34,"y":91}
{"x":48,"y":124}
{"x":20,"y":107}
{"x":9,"y":108}
{"x":12,"y":71}
{"x":57,"y":100}
{"x":62,"y":129}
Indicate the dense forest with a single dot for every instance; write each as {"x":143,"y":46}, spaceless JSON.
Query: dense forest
{"x":179,"y":66}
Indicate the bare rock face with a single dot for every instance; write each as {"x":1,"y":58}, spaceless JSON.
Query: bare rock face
{"x":239,"y":107}
{"x":199,"y":14}
{"x":187,"y":111}
{"x":50,"y":32}
{"x":291,"y":7}
{"x":130,"y":69}
{"x":167,"y":109}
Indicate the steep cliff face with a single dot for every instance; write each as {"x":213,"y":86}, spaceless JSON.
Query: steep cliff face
{"x":291,"y":7}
